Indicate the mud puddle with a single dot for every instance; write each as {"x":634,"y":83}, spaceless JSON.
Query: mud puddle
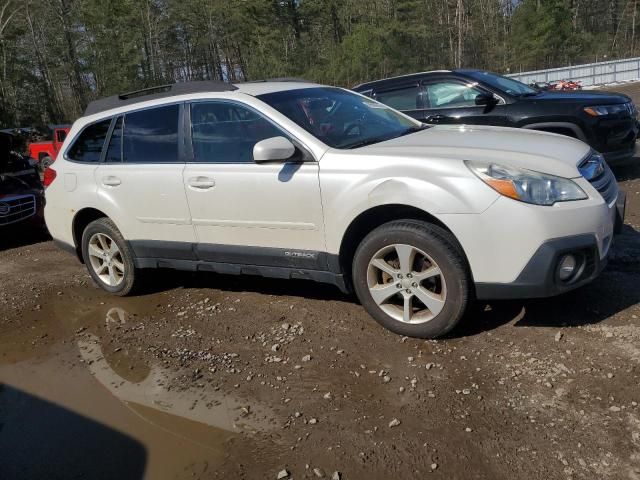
{"x":75,"y":405}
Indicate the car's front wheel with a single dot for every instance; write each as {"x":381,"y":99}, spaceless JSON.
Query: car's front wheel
{"x":108,"y":257}
{"x":412,"y":278}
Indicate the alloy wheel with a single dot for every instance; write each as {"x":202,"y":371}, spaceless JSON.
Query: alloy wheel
{"x":106,"y":259}
{"x":406,"y":283}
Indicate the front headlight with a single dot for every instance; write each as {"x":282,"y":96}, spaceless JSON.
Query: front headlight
{"x":603,"y":110}
{"x":526,"y":185}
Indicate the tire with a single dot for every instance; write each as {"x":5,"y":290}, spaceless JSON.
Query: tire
{"x":435,"y":272}
{"x":45,"y":163}
{"x":115,"y":273}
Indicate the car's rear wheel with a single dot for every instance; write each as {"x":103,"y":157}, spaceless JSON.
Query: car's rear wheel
{"x":412,"y":278}
{"x":108,"y":257}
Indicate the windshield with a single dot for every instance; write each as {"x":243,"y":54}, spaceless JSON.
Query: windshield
{"x":507,"y":85}
{"x":339,"y":118}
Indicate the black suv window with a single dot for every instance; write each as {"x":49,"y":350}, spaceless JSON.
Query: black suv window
{"x":225,"y":132}
{"x":88,"y":146}
{"x":401,"y":98}
{"x":450,"y":94}
{"x":151,"y":135}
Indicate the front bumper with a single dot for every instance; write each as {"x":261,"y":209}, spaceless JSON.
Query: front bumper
{"x":615,"y":139}
{"x":540,"y":277}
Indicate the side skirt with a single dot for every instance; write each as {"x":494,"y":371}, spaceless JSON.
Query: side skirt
{"x":240,"y":260}
{"x":336,"y":279}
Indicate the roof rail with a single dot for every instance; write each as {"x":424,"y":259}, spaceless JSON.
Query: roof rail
{"x":154,"y":93}
{"x":281,"y":79}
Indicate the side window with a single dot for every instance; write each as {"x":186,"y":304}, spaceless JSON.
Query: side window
{"x":400,"y":99}
{"x":114,"y":151}
{"x":151,"y":136}
{"x":61,"y":134}
{"x":224,"y":132}
{"x":88,"y":146}
{"x":451,"y":94}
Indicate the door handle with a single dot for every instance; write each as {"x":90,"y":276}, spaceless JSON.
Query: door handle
{"x":435,"y":118}
{"x":202,"y":183}
{"x":111,"y":181}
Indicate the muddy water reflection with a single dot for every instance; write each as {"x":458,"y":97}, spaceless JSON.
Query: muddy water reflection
{"x":78,"y":402}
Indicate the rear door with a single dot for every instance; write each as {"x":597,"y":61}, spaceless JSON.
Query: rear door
{"x":266,"y":214}
{"x":451,"y":101}
{"x":140,"y":181}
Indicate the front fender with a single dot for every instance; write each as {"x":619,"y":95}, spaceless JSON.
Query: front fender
{"x":558,"y":125}
{"x":345,"y":197}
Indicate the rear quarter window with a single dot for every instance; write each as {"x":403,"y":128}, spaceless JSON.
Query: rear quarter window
{"x":87,"y":148}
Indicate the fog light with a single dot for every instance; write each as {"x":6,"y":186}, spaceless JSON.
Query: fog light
{"x":567,"y":267}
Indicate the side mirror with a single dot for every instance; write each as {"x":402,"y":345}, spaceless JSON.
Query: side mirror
{"x":273,"y":149}
{"x":485,"y":99}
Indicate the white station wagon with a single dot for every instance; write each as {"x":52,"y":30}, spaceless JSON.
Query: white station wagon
{"x":288,"y":179}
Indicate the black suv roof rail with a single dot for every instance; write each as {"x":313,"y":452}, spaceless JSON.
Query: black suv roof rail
{"x":153,"y":93}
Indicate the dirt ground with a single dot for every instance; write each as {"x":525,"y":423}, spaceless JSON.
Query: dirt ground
{"x":208,"y":376}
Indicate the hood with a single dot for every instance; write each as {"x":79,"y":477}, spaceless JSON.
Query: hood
{"x":582,"y":97}
{"x":17,"y":174}
{"x":543,"y":152}
{"x":11,"y":161}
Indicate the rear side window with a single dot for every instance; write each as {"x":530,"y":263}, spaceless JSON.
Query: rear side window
{"x":400,"y":99}
{"x":151,"y":136}
{"x":225,"y":132}
{"x":88,"y":146}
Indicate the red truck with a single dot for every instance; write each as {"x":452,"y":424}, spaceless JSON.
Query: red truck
{"x":46,"y":152}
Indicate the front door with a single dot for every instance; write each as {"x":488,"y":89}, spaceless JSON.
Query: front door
{"x":244,"y":212}
{"x":140,"y":181}
{"x":453,"y":101}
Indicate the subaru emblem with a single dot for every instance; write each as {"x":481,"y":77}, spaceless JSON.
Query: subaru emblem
{"x":593,"y":167}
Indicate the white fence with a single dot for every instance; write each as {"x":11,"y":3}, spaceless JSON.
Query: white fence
{"x":589,"y":74}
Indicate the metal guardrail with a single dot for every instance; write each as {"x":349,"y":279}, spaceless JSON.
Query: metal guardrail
{"x":589,"y":74}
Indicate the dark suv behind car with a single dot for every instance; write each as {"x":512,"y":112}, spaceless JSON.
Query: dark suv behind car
{"x":21,"y":191}
{"x":606,"y":121}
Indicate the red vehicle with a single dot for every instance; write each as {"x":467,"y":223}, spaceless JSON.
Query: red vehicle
{"x":567,"y":85}
{"x":46,"y":152}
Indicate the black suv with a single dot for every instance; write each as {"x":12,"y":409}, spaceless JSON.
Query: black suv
{"x":21,"y":191}
{"x":606,"y":121}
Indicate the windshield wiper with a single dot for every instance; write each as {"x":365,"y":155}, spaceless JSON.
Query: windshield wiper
{"x":411,"y":130}
{"x":368,"y":141}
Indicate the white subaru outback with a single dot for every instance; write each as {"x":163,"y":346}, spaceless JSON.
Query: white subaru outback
{"x":288,"y":179}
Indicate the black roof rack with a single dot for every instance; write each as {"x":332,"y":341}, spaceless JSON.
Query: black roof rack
{"x":153,"y":93}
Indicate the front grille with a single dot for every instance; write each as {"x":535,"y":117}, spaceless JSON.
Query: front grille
{"x":596,"y":170}
{"x":17,"y":208}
